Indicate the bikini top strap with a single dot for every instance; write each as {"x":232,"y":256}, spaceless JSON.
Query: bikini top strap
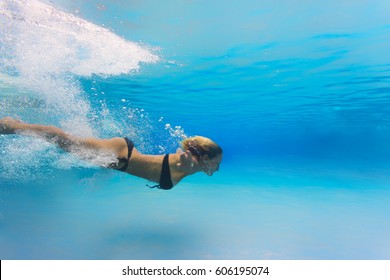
{"x":165,"y":176}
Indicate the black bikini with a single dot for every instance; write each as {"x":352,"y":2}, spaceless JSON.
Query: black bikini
{"x":165,"y":177}
{"x":125,"y":161}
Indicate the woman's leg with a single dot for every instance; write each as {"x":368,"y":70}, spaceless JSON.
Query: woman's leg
{"x":51,"y":134}
{"x":55,"y":135}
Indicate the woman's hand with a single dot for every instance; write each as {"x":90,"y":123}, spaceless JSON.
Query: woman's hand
{"x":187,"y":163}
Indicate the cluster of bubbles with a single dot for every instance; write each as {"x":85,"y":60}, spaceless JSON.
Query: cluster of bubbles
{"x":176,"y":132}
{"x":43,"y":53}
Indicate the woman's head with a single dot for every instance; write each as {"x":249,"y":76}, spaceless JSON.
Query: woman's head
{"x":207,"y":152}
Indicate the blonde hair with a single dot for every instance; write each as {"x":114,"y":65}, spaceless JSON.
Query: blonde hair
{"x":199,"y":146}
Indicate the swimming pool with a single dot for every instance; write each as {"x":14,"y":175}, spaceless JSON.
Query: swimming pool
{"x":297,"y":95}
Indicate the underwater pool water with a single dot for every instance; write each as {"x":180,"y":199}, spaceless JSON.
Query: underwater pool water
{"x":296,"y":93}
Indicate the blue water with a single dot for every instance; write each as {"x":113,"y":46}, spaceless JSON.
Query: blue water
{"x":297,"y":94}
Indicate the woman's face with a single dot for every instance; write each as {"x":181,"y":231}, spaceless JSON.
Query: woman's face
{"x":212,"y":165}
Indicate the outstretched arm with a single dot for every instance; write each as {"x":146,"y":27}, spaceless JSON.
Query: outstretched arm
{"x":62,"y":139}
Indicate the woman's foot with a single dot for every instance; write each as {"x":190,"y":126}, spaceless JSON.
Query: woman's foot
{"x":8,"y":125}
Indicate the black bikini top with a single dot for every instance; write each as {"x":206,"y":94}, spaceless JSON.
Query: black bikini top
{"x":165,"y":176}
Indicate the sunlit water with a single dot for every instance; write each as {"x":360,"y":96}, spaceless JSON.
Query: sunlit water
{"x":297,"y":95}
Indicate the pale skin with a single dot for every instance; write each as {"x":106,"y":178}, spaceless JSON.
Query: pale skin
{"x":181,"y":164}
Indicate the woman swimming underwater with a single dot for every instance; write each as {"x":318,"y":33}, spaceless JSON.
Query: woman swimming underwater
{"x":197,"y":154}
